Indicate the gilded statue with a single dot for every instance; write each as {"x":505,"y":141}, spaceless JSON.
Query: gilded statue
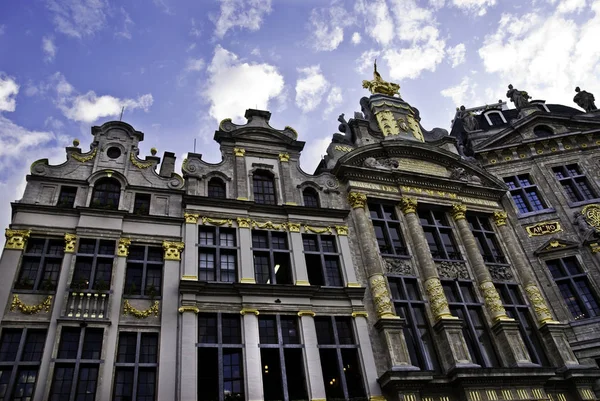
{"x":378,"y":85}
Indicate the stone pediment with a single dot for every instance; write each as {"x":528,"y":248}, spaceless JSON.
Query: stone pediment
{"x":555,"y":244}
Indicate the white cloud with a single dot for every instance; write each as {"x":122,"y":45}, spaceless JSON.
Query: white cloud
{"x":195,"y":30}
{"x":356,"y":38}
{"x":127,"y":23}
{"x":8,"y":90}
{"x":569,"y":6}
{"x":334,"y":99}
{"x":411,"y":62}
{"x":163,"y":6}
{"x":246,"y":14}
{"x":15,"y":139}
{"x":78,"y":18}
{"x":456,"y":54}
{"x":327,"y":27}
{"x":478,"y":7}
{"x":195,"y":65}
{"x":234,"y":86}
{"x":49,"y":48}
{"x":365,"y":62}
{"x":378,"y":21}
{"x":462,"y":94}
{"x":310,"y":88}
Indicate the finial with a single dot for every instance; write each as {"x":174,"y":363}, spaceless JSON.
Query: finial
{"x":153,"y":151}
{"x":75,"y":142}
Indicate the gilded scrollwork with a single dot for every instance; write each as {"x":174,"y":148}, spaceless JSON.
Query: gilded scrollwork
{"x":408,"y":205}
{"x":129,"y":309}
{"x":437,"y":298}
{"x":592,"y":215}
{"x":123,"y":249}
{"x":137,"y":163}
{"x":317,"y":230}
{"x":216,"y":222}
{"x":500,"y":218}
{"x":30,"y":309}
{"x":70,"y":241}
{"x":86,"y":158}
{"x":269,"y":225}
{"x":381,"y":297}
{"x":357,"y":200}
{"x":539,"y":304}
{"x":173,"y":250}
{"x":343,"y":148}
{"x":16,"y":239}
{"x":458,"y":211}
{"x":191,"y":218}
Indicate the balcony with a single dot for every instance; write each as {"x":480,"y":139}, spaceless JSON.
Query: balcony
{"x":87,"y":304}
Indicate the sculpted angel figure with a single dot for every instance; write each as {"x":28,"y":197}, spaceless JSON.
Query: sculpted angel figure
{"x":519,"y":98}
{"x":585,"y":100}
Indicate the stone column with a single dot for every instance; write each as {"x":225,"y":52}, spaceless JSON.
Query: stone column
{"x":316,"y":386}
{"x":297,"y":247}
{"x":246,"y":258}
{"x":241,"y":175}
{"x":190,"y":261}
{"x":389,"y":324}
{"x":366,"y":350}
{"x":346,"y":254}
{"x":111,"y":336}
{"x":16,"y":242}
{"x":505,"y":328}
{"x":252,"y":367}
{"x":288,"y":190}
{"x":167,"y":380}
{"x":188,"y":385}
{"x":449,"y":328}
{"x":59,"y":299}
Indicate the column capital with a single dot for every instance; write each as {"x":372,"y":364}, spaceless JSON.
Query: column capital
{"x":245,"y":311}
{"x":123,"y":249}
{"x":458,"y":211}
{"x":188,"y":308}
{"x":408,"y":204}
{"x":70,"y":240}
{"x":191,"y":218}
{"x":16,"y":239}
{"x":360,"y":314}
{"x":357,"y":200}
{"x":239,"y":152}
{"x":244,"y":222}
{"x":500,"y":218}
{"x":284,"y":157}
{"x":538,"y":302}
{"x":173,"y":250}
{"x":306,"y":313}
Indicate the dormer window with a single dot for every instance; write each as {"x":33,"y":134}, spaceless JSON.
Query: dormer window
{"x":495,"y":118}
{"x":311,"y":198}
{"x":106,"y":195}
{"x":264,"y":187}
{"x":216,"y":188}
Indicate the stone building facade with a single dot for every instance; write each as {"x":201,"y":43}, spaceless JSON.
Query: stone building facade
{"x":413,"y":265}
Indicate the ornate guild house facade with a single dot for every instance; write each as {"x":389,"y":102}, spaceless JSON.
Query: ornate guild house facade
{"x":413,"y":265}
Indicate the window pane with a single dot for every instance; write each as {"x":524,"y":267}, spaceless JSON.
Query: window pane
{"x":34,"y":345}
{"x":206,"y":236}
{"x":294,"y":367}
{"x":227,"y":237}
{"x":133,"y":279}
{"x":352,"y":372}
{"x":228,"y":261}
{"x":324,"y":331}
{"x":289,"y":330}
{"x":267,"y":330}
{"x":69,"y":343}
{"x":86,"y":383}
{"x":62,"y":382}
{"x":10,"y":344}
{"x":127,"y":347}
{"x":146,"y":384}
{"x":233,"y":378}
{"x":261,"y":268}
{"x":149,"y":348}
{"x":271,"y":373}
{"x":331,"y":374}
{"x":207,"y":328}
{"x":208,"y":374}
{"x":332,"y":271}
{"x":123,"y":384}
{"x":232,"y":332}
{"x":344,"y":330}
{"x":25,"y":384}
{"x":92,"y":344}
{"x":328,"y":243}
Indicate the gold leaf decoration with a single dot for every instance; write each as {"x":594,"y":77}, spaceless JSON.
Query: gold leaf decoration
{"x":30,"y":309}
{"x":317,"y":230}
{"x":269,"y":225}
{"x":87,"y":158}
{"x":217,"y":222}
{"x":137,"y":163}
{"x":128,"y":309}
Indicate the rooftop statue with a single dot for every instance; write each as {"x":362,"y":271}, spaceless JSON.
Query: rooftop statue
{"x":585,"y":100}
{"x":378,"y":85}
{"x":470,"y":123}
{"x":519,"y":98}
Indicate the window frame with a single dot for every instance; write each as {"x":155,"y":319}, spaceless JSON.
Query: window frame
{"x":384,"y":222}
{"x":217,"y":250}
{"x":146,"y":265}
{"x":572,"y":180}
{"x":214,"y":183}
{"x":136,"y":365}
{"x":271,"y":255}
{"x":93,"y":271}
{"x":41,"y":267}
{"x":261,"y":190}
{"x":323,"y":256}
{"x":64,"y":190}
{"x":489,"y":120}
{"x":437,"y":229}
{"x":522,"y":191}
{"x":101,"y":195}
{"x":141,"y":200}
{"x":492,"y":254}
{"x":311,"y":193}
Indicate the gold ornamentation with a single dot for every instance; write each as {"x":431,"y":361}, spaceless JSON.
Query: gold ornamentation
{"x":317,"y":230}
{"x":291,"y":203}
{"x":408,"y":205}
{"x":30,"y":309}
{"x":137,"y":163}
{"x":247,"y":310}
{"x":402,"y":124}
{"x":360,"y":314}
{"x":217,"y":222}
{"x":70,"y":240}
{"x":343,"y":148}
{"x":189,"y":277}
{"x":268,"y":225}
{"x":239,"y":152}
{"x":341,"y":230}
{"x":123,"y":249}
{"x":353,"y":285}
{"x":302,"y":282}
{"x":554,"y":245}
{"x":381,"y":298}
{"x":377,"y":398}
{"x":248,"y":280}
{"x":153,"y":151}
{"x":592,"y":215}
{"x":16,"y":239}
{"x":188,"y":308}
{"x":378,"y":85}
{"x":458,"y":211}
{"x":284,"y":157}
{"x":357,"y":200}
{"x":387,"y":123}
{"x":595,"y":247}
{"x":539,"y":304}
{"x":128,"y":309}
{"x":500,"y":218}
{"x":306,"y":313}
{"x":415,"y":128}
{"x":549,"y":227}
{"x":173,"y":250}
{"x":191,"y":218}
{"x":244,"y":222}
{"x":493,"y":301}
{"x":75,"y":142}
{"x":223,"y":121}
{"x":293,"y":227}
{"x":437,"y":299}
{"x":83,"y":159}
{"x":287,"y":127}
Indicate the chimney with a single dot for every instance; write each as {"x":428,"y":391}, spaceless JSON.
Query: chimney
{"x":167,"y":166}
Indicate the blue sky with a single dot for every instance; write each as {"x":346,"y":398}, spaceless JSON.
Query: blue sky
{"x":179,"y":67}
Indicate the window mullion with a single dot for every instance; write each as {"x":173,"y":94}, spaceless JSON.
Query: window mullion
{"x":138,"y":349}
{"x":217,"y":255}
{"x":144,"y":272}
{"x":576,"y":189}
{"x":220,"y":365}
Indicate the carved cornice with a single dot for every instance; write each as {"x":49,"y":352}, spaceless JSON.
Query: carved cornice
{"x":16,"y":239}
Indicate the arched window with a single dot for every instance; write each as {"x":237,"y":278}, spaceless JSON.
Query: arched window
{"x":263,"y":188}
{"x":495,"y":118}
{"x":311,"y":198}
{"x":542,"y":131}
{"x":107,"y":192}
{"x":216,"y":188}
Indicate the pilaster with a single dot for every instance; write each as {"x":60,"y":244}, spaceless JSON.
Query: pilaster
{"x":188,"y":386}
{"x":392,"y":333}
{"x":514,"y":353}
{"x":254,"y":383}
{"x":241,"y":174}
{"x":16,"y":242}
{"x":190,"y":261}
{"x":316,"y":386}
{"x":366,"y":349}
{"x":246,"y":258}
{"x":300,"y":268}
{"x":453,"y":349}
{"x":288,"y":190}
{"x":348,"y":266}
{"x":557,"y":344}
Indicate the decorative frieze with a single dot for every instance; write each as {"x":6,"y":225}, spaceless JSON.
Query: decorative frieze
{"x":501,"y":273}
{"x":128,"y":309}
{"x":173,"y":250}
{"x":216,"y":222}
{"x":16,"y":239}
{"x":317,"y":230}
{"x":453,"y":270}
{"x":401,"y":267}
{"x":70,"y":241}
{"x":17,"y":304}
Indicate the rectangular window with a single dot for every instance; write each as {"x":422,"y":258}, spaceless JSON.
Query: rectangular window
{"x":322,"y":260}
{"x":141,"y":204}
{"x":40,"y":265}
{"x":281,"y":358}
{"x":525,"y":193}
{"x":217,"y":254}
{"x":93,"y":264}
{"x":411,"y":306}
{"x":486,"y":239}
{"x":387,"y":229}
{"x":20,"y":355}
{"x":271,"y":257}
{"x":220,"y":357}
{"x":135,"y":369}
{"x":77,"y":364}
{"x":464,"y":304}
{"x":575,"y":287}
{"x":144,"y":271}
{"x":263,"y":187}
{"x":339,"y":358}
{"x":516,"y":308}
{"x":439,"y":235}
{"x":574,"y":183}
{"x":66,"y":197}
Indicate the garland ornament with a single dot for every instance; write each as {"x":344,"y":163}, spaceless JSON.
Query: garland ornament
{"x":128,"y":309}
{"x":137,"y":163}
{"x":30,"y":309}
{"x":83,"y":159}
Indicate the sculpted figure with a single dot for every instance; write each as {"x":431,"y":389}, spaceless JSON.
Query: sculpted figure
{"x":378,"y":85}
{"x":519,"y":98}
{"x":585,"y":229}
{"x":347,"y":137}
{"x":373,"y":163}
{"x":470,"y":123}
{"x":585,"y":100}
